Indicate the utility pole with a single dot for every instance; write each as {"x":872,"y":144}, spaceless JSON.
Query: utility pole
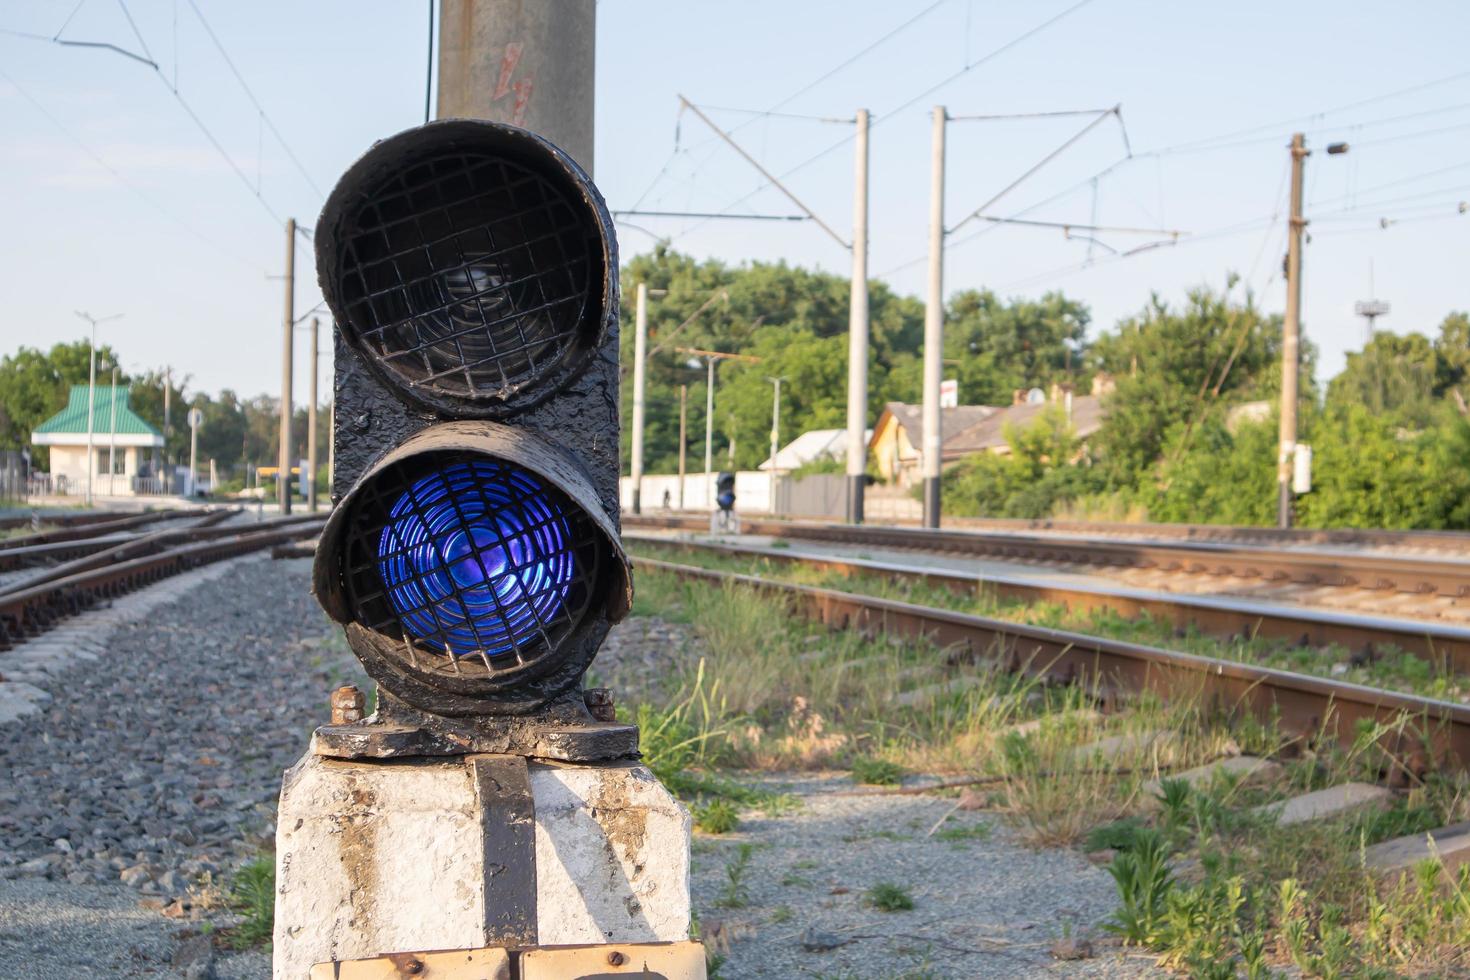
{"x":1290,"y":341}
{"x":775,"y":436}
{"x":531,"y":64}
{"x":709,"y":434}
{"x":683,"y":439}
{"x":112,"y":438}
{"x":92,"y":393}
{"x":934,"y":325}
{"x":283,"y":477}
{"x":311,"y":426}
{"x":857,"y":333}
{"x":640,"y":354}
{"x":168,"y":429}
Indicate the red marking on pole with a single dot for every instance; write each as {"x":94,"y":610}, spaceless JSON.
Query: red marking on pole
{"x":508,"y":62}
{"x":523,"y":96}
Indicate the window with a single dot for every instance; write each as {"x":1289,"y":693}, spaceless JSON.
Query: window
{"x":119,"y":466}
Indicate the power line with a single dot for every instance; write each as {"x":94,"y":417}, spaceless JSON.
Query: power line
{"x":880,"y":119}
{"x":251,"y":94}
{"x":97,"y":158}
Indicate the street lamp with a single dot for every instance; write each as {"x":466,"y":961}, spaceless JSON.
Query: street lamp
{"x":92,"y":391}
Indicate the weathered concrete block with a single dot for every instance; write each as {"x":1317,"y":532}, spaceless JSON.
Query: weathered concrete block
{"x":1394,"y":857}
{"x":1243,"y":767}
{"x":1328,"y":802}
{"x":383,"y":857}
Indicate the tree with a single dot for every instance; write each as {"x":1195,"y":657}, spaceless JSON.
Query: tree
{"x":1397,"y":376}
{"x":993,"y":347}
{"x":1172,"y":367}
{"x":1040,"y":474}
{"x":35,"y":386}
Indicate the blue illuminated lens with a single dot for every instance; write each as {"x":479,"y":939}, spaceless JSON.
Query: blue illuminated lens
{"x":477,"y":557}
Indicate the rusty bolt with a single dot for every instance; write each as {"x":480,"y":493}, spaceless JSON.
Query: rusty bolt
{"x":599,"y":701}
{"x":347,"y":705}
{"x":406,"y":963}
{"x":616,"y":959}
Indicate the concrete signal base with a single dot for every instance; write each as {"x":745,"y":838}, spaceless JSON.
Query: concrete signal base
{"x":378,"y":857}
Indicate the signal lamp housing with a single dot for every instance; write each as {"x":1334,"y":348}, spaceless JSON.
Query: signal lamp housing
{"x":467,"y":262}
{"x":473,"y":554}
{"x":475,"y":570}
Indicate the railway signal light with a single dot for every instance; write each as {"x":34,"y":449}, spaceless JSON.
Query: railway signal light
{"x":473,"y":555}
{"x":725,"y":491}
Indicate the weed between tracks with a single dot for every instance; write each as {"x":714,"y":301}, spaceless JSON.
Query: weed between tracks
{"x":1215,"y":889}
{"x":1386,"y":667}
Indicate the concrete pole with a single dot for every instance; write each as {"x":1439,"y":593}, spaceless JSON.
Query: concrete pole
{"x":934,"y":325}
{"x":311,"y":425}
{"x":775,"y":436}
{"x":683,"y":439}
{"x":857,"y":333}
{"x":640,"y":355}
{"x":283,"y":477}
{"x":709,"y":435}
{"x":531,"y":64}
{"x":112,"y":438}
{"x":91,"y":402}
{"x":1290,"y":341}
{"x":167,"y":427}
{"x":193,"y":458}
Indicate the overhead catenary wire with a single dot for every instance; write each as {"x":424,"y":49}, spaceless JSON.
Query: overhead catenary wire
{"x":142,"y":195}
{"x":879,"y":119}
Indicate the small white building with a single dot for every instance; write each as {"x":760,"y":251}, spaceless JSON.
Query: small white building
{"x":124,"y":446}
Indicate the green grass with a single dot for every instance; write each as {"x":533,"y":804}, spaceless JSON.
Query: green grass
{"x":1387,"y":667}
{"x":964,"y":832}
{"x":888,"y":897}
{"x":717,"y":817}
{"x":735,"y":894}
{"x":253,"y":895}
{"x":876,"y":772}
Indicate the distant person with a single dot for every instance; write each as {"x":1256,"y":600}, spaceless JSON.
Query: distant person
{"x":668,"y":499}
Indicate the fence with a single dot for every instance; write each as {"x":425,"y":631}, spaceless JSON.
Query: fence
{"x":818,"y":497}
{"x":14,"y":478}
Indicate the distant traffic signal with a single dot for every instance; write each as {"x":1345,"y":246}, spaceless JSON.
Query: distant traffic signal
{"x":725,"y":491}
{"x":473,"y":554}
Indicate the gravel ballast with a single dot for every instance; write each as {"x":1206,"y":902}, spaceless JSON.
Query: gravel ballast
{"x":153,"y":771}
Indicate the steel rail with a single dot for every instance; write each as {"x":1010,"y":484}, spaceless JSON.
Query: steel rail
{"x":1441,"y":644}
{"x":29,"y":611}
{"x":148,"y":543}
{"x":1424,"y":732}
{"x":38,"y":554}
{"x":1457,"y":542}
{"x":62,"y":519}
{"x":1341,"y":569}
{"x":1452,"y":542}
{"x":95,"y":528}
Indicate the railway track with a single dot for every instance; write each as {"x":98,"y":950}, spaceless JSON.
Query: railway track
{"x":1417,"y":575}
{"x":1364,"y":636}
{"x":31,"y":607}
{"x":1426,"y":734}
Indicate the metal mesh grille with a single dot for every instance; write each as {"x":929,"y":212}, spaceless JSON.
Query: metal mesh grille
{"x":471,"y":558}
{"x":468,"y":274}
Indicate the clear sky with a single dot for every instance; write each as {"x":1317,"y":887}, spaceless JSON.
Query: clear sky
{"x":115,"y":200}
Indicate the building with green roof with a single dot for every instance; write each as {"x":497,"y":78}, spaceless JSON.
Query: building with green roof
{"x":124,"y":445}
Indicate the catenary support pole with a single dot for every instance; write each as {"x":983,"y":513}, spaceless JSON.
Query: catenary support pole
{"x":640,"y":355}
{"x":310,"y":477}
{"x":709,"y":436}
{"x":683,"y":437}
{"x":933,"y":437}
{"x":857,"y":333}
{"x":531,"y":64}
{"x":112,"y":438}
{"x":775,"y":437}
{"x":168,"y":428}
{"x":1290,"y":339}
{"x":283,"y":461}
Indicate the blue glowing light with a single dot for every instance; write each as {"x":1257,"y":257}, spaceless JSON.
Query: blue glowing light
{"x":478,"y":557}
